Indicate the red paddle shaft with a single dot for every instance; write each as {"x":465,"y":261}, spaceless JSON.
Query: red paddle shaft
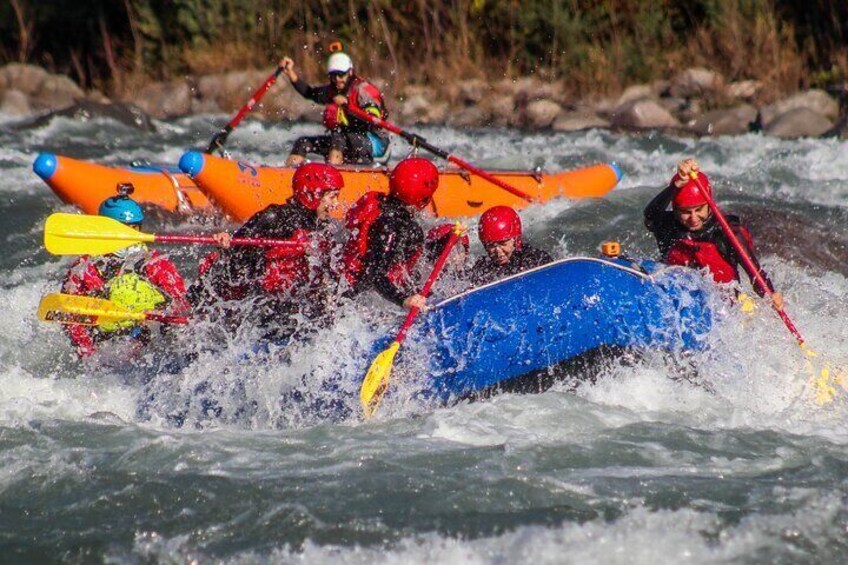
{"x":428,"y":284}
{"x":221,"y":137}
{"x":418,"y":141}
{"x":746,"y":259}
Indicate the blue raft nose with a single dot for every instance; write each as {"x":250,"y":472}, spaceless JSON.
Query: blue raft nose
{"x":45,"y":165}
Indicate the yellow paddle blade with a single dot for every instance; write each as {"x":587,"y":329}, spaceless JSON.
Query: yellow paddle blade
{"x":78,"y":234}
{"x":377,"y":379}
{"x":83,"y":310}
{"x":824,"y":376}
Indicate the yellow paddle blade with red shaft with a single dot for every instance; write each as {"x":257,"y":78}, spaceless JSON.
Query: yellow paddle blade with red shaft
{"x":78,"y":234}
{"x":377,"y":379}
{"x":83,"y":310}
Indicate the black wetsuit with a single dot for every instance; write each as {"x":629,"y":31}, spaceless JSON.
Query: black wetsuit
{"x":716,"y":251}
{"x":254,"y":272}
{"x":395,"y":240}
{"x":485,"y":270}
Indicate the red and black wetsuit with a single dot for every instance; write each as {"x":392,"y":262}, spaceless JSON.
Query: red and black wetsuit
{"x":707,"y":247}
{"x":90,"y":276}
{"x":351,"y":140}
{"x":524,"y":258}
{"x":384,"y":246}
{"x":285,"y":282}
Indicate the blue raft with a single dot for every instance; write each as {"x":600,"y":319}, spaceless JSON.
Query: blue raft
{"x":515,"y":333}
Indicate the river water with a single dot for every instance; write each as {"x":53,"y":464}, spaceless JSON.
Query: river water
{"x":637,"y":468}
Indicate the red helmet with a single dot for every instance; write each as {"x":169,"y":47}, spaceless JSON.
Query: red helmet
{"x":690,"y":194}
{"x":311,"y":180}
{"x":499,"y":223}
{"x":413,"y":181}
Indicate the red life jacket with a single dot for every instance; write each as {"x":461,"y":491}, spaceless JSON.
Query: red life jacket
{"x":358,"y":222}
{"x":362,"y":93}
{"x":700,"y":254}
{"x":285,"y":268}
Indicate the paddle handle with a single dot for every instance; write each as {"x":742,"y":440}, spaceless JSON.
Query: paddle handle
{"x":418,"y":141}
{"x":428,"y":284}
{"x":245,"y":241}
{"x":221,"y":137}
{"x":746,"y":259}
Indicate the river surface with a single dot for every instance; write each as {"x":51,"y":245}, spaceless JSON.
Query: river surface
{"x":637,"y":468}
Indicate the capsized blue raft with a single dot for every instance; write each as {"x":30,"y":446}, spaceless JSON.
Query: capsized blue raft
{"x":508,"y":335}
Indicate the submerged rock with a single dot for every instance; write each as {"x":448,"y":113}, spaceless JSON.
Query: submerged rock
{"x":85,"y":110}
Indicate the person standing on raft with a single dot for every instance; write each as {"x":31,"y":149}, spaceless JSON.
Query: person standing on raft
{"x":507,"y":254}
{"x":348,"y":138}
{"x":689,"y":234}
{"x":135,"y":277}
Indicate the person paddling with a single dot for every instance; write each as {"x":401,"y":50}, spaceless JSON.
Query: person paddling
{"x":135,"y":277}
{"x":386,"y":239}
{"x":287,"y":283}
{"x":348,"y":139}
{"x":689,"y":234}
{"x":507,"y":253}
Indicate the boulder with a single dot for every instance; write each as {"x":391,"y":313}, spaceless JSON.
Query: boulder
{"x":472,"y":91}
{"x":695,"y":82}
{"x":540,"y":114}
{"x":574,"y":121}
{"x":816,"y":100}
{"x":57,"y":91}
{"x":472,"y":116}
{"x":502,"y":109}
{"x":635,"y":92}
{"x":732,"y":121}
{"x":26,"y":78}
{"x":799,"y":122}
{"x":643,"y":114}
{"x":418,"y":108}
{"x":15,"y":102}
{"x":743,"y":90}
{"x":287,"y":104}
{"x":164,"y":100}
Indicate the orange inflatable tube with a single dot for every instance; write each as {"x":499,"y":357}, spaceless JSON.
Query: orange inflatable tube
{"x":86,"y":184}
{"x":240,"y":189}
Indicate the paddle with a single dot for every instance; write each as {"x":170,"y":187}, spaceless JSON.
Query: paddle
{"x":79,"y":234}
{"x":824,"y":390}
{"x":220,"y":138}
{"x":418,"y":141}
{"x":377,"y":379}
{"x":90,"y":311}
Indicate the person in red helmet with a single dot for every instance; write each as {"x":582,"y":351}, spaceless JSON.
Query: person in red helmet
{"x":286,"y":282}
{"x":386,"y":240}
{"x":506,"y":252}
{"x":348,"y":138}
{"x":689,"y":234}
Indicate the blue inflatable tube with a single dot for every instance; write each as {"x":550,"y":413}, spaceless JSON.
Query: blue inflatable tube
{"x":508,"y":334}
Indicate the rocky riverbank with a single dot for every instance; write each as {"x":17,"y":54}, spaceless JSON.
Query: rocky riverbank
{"x":695,"y":102}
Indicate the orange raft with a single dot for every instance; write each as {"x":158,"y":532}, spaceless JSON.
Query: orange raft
{"x":86,"y":184}
{"x":240,"y":189}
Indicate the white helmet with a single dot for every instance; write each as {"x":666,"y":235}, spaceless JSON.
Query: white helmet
{"x":339,"y":63}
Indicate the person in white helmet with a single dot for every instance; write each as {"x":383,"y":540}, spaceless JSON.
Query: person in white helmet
{"x":348,"y":139}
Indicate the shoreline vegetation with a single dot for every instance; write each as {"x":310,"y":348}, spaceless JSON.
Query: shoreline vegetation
{"x":698,"y":67}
